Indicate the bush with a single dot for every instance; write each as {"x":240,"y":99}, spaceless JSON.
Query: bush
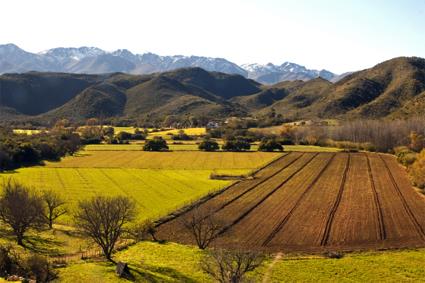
{"x":9,"y":261}
{"x":156,"y":144}
{"x":285,"y":141}
{"x":417,"y":171}
{"x":39,"y":268}
{"x":270,"y":145}
{"x":208,"y":145}
{"x":335,"y":255}
{"x":123,"y":136}
{"x":236,"y":145}
{"x":404,"y":155}
{"x":138,"y":135}
{"x":181,"y":136}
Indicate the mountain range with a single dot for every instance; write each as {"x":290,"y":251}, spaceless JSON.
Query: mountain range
{"x":92,"y":60}
{"x":394,"y":88}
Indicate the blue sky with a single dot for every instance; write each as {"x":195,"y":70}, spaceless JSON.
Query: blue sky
{"x":336,"y":35}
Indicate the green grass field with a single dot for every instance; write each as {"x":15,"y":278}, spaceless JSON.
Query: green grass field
{"x":156,"y":192}
{"x":190,"y":160}
{"x":171,"y":262}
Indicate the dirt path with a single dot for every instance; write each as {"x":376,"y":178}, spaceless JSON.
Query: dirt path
{"x":266,"y":277}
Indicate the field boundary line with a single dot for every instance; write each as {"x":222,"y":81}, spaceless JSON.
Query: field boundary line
{"x":209,"y":196}
{"x":329,"y":221}
{"x":382,"y":234}
{"x":243,"y":215}
{"x":409,"y":212}
{"x":297,"y":203}
{"x":258,"y":184}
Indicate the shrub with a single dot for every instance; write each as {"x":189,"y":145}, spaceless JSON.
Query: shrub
{"x":9,"y":261}
{"x":181,"y":136}
{"x":39,"y":268}
{"x":417,"y":141}
{"x":123,"y":136}
{"x":138,"y":135}
{"x":236,"y":145}
{"x":404,"y":155}
{"x":230,"y":266}
{"x":156,"y":144}
{"x":270,"y":145}
{"x":208,"y":145}
{"x":417,"y":171}
{"x":335,"y":255}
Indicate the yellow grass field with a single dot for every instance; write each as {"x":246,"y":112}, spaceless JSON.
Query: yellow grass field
{"x":190,"y":160}
{"x":156,"y":192}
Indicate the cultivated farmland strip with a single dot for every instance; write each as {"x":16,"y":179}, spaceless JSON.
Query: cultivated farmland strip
{"x":331,"y":216}
{"x":297,"y":203}
{"x":399,"y":225}
{"x":247,"y":190}
{"x":306,"y":225}
{"x":382,"y":234}
{"x":263,"y":194}
{"x":418,"y":227}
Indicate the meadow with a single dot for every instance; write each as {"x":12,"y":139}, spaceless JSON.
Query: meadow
{"x":193,"y":160}
{"x":170,"y":262}
{"x":156,"y":192}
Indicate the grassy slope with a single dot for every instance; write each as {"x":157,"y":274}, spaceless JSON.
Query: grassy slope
{"x":178,"y":263}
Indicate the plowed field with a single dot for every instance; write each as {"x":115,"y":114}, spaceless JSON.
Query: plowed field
{"x":316,"y":202}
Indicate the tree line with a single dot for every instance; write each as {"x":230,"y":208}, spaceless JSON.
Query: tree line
{"x":18,"y":150}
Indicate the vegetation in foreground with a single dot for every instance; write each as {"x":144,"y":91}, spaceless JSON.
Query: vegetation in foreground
{"x":171,"y":262}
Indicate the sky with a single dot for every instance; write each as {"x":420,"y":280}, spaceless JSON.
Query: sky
{"x":335,"y":35}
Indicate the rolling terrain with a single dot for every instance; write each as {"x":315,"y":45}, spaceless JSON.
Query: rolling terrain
{"x":394,"y":89}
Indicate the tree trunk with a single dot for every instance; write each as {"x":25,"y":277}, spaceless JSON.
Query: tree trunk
{"x":19,"y":239}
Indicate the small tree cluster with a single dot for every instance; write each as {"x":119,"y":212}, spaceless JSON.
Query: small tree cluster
{"x":181,"y":136}
{"x":270,"y":145}
{"x":208,"y":145}
{"x":236,"y":145}
{"x":22,"y":209}
{"x":156,"y":144}
{"x":17,"y":150}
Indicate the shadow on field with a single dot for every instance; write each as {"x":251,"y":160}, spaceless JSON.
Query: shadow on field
{"x":43,"y":245}
{"x":152,"y":273}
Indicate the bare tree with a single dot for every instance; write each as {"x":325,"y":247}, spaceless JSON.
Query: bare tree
{"x":54,"y":206}
{"x":203,"y":227}
{"x":20,"y":209}
{"x":230,"y":266}
{"x":103,"y":220}
{"x":143,"y":230}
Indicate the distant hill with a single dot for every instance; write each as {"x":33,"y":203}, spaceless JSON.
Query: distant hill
{"x":395,"y":88}
{"x":51,"y":96}
{"x":92,"y":60}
